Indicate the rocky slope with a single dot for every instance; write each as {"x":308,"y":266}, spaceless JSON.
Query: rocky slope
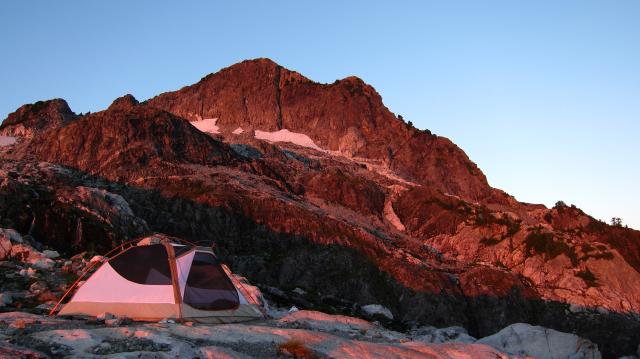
{"x":378,"y":212}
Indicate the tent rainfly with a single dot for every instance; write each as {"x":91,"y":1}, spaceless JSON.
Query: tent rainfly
{"x":158,"y":279}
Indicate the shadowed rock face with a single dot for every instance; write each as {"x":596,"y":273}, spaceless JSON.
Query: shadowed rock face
{"x":415,"y":228}
{"x":33,"y":118}
{"x":347,"y":115}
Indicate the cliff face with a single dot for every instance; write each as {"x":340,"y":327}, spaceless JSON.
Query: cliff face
{"x":364,"y":209}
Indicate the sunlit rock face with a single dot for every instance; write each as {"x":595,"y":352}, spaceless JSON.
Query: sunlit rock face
{"x":31,"y":119}
{"x":346,"y":116}
{"x":324,"y":190}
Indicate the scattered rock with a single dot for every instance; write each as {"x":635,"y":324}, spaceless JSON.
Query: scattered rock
{"x":97,"y":259}
{"x":50,"y":254}
{"x":102,"y":317}
{"x":10,"y":234}
{"x":28,"y":272}
{"x":37,"y":288}
{"x":116,"y":322}
{"x":27,"y":254}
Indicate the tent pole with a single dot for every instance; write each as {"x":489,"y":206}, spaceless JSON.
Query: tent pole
{"x":84,"y":273}
{"x":174,"y":279}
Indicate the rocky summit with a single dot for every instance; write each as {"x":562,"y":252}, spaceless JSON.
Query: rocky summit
{"x":326,"y":201}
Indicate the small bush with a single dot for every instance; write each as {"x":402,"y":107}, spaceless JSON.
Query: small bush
{"x":544,"y":243}
{"x":498,"y":263}
{"x":560,"y":204}
{"x":296,"y":349}
{"x":586,"y":248}
{"x":491,"y":241}
{"x":616,"y":222}
{"x":602,"y":255}
{"x":588,"y":277}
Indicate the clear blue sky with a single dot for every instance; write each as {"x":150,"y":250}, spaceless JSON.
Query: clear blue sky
{"x":543,"y":95}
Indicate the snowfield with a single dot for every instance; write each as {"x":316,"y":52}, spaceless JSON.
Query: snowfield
{"x":207,"y":125}
{"x":238,"y":131}
{"x":285,"y":135}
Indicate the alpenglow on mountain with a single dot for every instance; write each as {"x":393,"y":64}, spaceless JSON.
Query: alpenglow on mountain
{"x":320,"y":187}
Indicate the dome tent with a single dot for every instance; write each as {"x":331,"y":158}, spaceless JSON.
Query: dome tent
{"x":158,"y":278}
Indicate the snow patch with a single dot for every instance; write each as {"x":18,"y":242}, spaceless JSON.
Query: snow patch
{"x":238,"y":131}
{"x":207,"y":125}
{"x":285,"y":135}
{"x":7,"y":141}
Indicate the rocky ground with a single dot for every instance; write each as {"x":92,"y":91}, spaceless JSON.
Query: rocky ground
{"x":34,"y":279}
{"x":298,"y":334}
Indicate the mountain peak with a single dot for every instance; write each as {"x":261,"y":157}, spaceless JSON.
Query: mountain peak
{"x":347,"y":116}
{"x":124,"y":102}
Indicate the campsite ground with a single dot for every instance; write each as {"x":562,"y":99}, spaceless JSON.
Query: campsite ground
{"x":33,"y":278}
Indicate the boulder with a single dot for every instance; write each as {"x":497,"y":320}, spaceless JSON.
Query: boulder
{"x":11,"y":235}
{"x":97,"y":259}
{"x":103,"y":317}
{"x":27,"y":254}
{"x":539,"y":342}
{"x":50,"y":254}
{"x":37,"y":288}
{"x":377,"y":310}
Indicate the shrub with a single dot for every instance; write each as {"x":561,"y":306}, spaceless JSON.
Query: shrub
{"x":544,"y":243}
{"x":498,"y":263}
{"x":586,"y":248}
{"x":490,"y":241}
{"x":602,"y":255}
{"x":588,"y":277}
{"x":560,"y":204}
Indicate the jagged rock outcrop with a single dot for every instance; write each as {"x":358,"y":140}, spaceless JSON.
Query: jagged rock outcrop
{"x":127,"y":141}
{"x":31,"y":119}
